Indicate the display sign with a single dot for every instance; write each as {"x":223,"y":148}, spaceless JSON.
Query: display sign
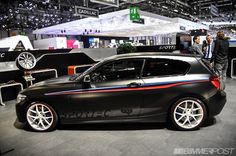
{"x":140,"y":21}
{"x":156,"y":48}
{"x":166,"y":47}
{"x":134,"y":13}
{"x":88,"y":12}
{"x":6,"y":56}
{"x":107,"y":2}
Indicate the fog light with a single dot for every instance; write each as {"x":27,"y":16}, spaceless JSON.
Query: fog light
{"x":20,"y":98}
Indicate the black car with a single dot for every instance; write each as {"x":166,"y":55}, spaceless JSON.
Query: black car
{"x":140,"y":87}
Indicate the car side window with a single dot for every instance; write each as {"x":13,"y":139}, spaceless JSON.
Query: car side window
{"x":164,"y":67}
{"x":118,"y":70}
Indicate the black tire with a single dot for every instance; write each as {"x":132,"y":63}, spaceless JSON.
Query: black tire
{"x":190,"y":117}
{"x":28,"y":59}
{"x":41,"y":117}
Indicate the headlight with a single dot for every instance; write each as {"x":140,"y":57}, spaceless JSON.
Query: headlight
{"x":20,"y":98}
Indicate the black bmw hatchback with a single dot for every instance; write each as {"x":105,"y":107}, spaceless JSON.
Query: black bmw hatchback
{"x":140,"y":87}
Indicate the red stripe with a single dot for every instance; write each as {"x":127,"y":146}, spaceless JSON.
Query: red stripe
{"x":135,"y":89}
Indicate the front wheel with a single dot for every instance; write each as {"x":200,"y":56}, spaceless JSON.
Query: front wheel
{"x":188,"y":114}
{"x":41,"y":117}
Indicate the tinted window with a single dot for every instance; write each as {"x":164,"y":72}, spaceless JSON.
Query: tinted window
{"x":162,"y":67}
{"x":118,"y":70}
{"x":82,"y":69}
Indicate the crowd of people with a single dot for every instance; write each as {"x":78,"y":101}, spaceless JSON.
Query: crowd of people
{"x":215,"y":52}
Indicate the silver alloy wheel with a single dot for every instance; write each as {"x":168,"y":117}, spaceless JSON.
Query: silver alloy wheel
{"x":40,"y":117}
{"x":26,"y":60}
{"x":188,"y":114}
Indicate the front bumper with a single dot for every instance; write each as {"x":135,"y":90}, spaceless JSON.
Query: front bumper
{"x":21,"y":111}
{"x":216,"y":103}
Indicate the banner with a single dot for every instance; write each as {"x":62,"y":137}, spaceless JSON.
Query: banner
{"x":88,"y":12}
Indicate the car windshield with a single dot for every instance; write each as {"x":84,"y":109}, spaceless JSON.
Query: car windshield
{"x":77,"y":76}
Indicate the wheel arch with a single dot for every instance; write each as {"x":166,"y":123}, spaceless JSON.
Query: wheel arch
{"x":186,"y":95}
{"x":55,"y":121}
{"x":30,"y":102}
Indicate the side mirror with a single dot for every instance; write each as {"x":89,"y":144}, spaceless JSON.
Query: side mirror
{"x":87,"y":79}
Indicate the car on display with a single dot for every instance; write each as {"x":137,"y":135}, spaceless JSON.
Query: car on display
{"x":139,"y":87}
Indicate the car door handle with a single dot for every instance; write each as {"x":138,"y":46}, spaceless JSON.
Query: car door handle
{"x":134,"y":85}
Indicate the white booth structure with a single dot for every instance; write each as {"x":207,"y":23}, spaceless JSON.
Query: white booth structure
{"x":119,"y":24}
{"x":57,"y":43}
{"x":15,"y":43}
{"x":51,"y":43}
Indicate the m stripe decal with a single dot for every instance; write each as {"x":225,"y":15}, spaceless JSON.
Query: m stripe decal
{"x":122,"y":89}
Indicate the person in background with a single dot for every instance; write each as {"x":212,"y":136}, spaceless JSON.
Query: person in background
{"x":208,"y":47}
{"x":220,"y":56}
{"x":195,"y":48}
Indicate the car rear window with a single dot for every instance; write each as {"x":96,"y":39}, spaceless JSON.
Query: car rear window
{"x":164,"y":67}
{"x":207,"y":65}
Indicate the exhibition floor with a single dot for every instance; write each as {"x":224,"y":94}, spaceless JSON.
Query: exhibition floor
{"x":118,"y":139}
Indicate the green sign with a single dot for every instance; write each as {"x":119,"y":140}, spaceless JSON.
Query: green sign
{"x":134,"y":13}
{"x":22,"y":33}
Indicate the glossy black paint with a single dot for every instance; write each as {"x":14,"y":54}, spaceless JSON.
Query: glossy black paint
{"x":139,"y":99}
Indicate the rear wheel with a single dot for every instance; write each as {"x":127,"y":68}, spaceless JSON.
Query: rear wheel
{"x":41,"y":117}
{"x":188,"y":114}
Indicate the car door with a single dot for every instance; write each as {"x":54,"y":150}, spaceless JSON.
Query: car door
{"x":114,"y":91}
{"x":160,"y":77}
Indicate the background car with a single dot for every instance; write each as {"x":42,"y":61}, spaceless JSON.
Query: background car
{"x":139,"y":87}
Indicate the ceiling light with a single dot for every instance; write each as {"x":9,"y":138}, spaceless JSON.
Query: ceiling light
{"x":165,"y":7}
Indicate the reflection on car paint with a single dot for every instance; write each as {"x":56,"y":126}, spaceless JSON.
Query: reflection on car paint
{"x":127,"y":111}
{"x":99,"y":114}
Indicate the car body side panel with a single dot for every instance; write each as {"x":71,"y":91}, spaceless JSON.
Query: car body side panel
{"x":40,"y":94}
{"x":157,"y":102}
{"x":103,"y":101}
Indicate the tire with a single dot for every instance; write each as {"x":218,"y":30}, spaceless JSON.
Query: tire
{"x":26,"y":61}
{"x":188,"y":114}
{"x":41,"y":117}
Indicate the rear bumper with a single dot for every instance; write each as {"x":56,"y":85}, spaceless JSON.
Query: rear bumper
{"x":216,"y":103}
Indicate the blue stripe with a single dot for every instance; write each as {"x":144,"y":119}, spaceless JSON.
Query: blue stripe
{"x":171,"y":82}
{"x":123,"y":86}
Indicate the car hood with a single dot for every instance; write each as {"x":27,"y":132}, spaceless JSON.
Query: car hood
{"x":59,"y":80}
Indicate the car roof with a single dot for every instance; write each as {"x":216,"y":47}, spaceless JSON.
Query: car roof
{"x":169,"y":55}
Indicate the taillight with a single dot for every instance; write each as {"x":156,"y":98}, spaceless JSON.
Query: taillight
{"x":215,"y":80}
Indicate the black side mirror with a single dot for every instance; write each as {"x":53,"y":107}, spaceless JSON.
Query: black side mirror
{"x":86,"y":82}
{"x":86,"y":79}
